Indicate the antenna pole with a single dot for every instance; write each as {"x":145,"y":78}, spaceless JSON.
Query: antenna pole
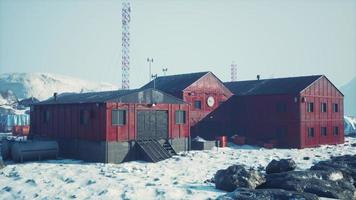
{"x":125,"y":59}
{"x":233,"y":71}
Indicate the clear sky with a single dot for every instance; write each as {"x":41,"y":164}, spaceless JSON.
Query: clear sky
{"x":274,"y":38}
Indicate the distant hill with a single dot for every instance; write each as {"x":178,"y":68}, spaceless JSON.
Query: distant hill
{"x":43,"y":85}
{"x":349,"y":91}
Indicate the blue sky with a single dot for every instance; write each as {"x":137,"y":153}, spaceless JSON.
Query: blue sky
{"x":274,"y":38}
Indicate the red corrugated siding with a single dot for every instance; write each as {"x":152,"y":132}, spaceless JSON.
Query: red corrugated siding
{"x":64,"y":122}
{"x":321,"y":91}
{"x":257,"y":118}
{"x":207,"y":86}
{"x":128,"y":131}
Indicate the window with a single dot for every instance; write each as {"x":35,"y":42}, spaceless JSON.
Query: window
{"x":323,"y":131}
{"x":45,"y":116}
{"x":336,"y":131}
{"x":118,"y":117}
{"x":310,"y":107}
{"x":336,"y":107}
{"x":310,"y":132}
{"x":84,"y":117}
{"x":197,"y":104}
{"x":323,"y":107}
{"x":281,"y":107}
{"x":180,"y":117}
{"x":281,"y":132}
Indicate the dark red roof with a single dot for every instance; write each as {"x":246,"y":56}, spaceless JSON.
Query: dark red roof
{"x":292,"y":85}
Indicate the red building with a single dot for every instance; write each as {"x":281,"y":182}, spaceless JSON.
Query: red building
{"x":105,"y":126}
{"x":294,"y":112}
{"x":202,"y":90}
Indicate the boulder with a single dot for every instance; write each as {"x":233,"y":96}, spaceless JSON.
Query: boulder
{"x":282,"y":165}
{"x":329,"y":184}
{"x":266,"y":194}
{"x":345,"y":164}
{"x":237,"y":176}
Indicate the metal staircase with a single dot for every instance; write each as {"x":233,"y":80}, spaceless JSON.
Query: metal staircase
{"x":169,"y":148}
{"x":153,"y":150}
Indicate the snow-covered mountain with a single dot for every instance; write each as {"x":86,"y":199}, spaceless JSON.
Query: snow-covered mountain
{"x":350,"y":125}
{"x":43,"y":85}
{"x":349,"y":90}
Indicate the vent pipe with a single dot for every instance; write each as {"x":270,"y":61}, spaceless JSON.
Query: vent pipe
{"x":258,"y":77}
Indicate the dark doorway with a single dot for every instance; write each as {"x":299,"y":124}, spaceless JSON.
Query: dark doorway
{"x":152,"y":124}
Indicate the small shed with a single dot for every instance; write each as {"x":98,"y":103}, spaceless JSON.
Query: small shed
{"x":105,"y":126}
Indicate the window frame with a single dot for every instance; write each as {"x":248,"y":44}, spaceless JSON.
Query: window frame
{"x":46,"y":116}
{"x":195,"y":104}
{"x":310,"y":107}
{"x":281,"y":107}
{"x":322,"y":133}
{"x":180,"y":117}
{"x":335,"y":107}
{"x":323,"y":107}
{"x":336,"y":131}
{"x":124,"y":118}
{"x":311,"y":132}
{"x":84,"y":117}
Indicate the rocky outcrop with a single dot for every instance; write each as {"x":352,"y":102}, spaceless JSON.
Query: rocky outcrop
{"x":282,"y":165}
{"x":236,"y":176}
{"x":266,"y":194}
{"x":345,"y":164}
{"x":329,"y":184}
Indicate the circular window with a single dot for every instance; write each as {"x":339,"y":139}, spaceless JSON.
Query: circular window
{"x":210,"y":101}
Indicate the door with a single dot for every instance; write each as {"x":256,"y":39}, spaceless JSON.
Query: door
{"x":152,"y":124}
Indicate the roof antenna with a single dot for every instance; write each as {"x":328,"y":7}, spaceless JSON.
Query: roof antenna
{"x":154,"y":80}
{"x":164,"y":70}
{"x":258,"y":77}
{"x":233,"y":71}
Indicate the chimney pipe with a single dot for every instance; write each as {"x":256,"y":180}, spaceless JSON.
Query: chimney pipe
{"x":258,"y":77}
{"x":55,"y":96}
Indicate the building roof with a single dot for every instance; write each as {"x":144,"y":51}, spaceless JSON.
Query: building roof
{"x":175,"y":83}
{"x":144,"y":96}
{"x":292,"y":85}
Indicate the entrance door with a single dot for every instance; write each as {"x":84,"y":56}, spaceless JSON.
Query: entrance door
{"x":152,"y":124}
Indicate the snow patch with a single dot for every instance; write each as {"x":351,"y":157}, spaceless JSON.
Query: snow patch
{"x":336,"y":176}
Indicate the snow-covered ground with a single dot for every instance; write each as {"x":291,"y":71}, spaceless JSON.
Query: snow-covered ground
{"x":181,"y":177}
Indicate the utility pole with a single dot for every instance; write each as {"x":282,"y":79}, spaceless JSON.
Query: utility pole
{"x":150,"y":61}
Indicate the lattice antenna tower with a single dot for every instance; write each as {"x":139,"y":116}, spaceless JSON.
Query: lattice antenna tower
{"x":233,"y":71}
{"x":125,"y":60}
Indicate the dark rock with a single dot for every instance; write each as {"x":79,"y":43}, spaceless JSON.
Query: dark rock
{"x":237,"y":176}
{"x":329,"y":184}
{"x":2,"y":165}
{"x":353,"y":144}
{"x":7,"y":188}
{"x":266,"y":194}
{"x":282,"y":165}
{"x":306,"y":158}
{"x":345,"y":164}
